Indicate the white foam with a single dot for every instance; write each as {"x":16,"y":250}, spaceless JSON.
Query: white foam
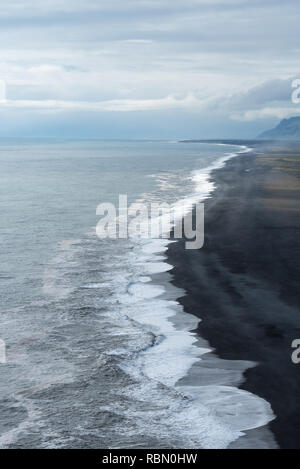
{"x":239,"y":409}
{"x":215,"y":415}
{"x":157,"y":267}
{"x":144,"y":279}
{"x":139,"y":291}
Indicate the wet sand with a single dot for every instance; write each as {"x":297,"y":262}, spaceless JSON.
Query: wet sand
{"x":244,"y":283}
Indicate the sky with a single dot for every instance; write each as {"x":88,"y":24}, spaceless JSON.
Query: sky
{"x":147,"y":68}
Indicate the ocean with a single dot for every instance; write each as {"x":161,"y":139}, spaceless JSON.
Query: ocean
{"x":99,"y":353}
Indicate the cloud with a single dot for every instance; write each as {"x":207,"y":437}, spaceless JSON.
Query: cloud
{"x":271,"y":99}
{"x":38,"y":7}
{"x":219,"y":60}
{"x":117,"y":105}
{"x":266,"y":113}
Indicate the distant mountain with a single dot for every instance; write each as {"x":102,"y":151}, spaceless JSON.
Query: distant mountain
{"x":287,"y":129}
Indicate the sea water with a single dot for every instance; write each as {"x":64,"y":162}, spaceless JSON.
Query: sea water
{"x":99,"y":353}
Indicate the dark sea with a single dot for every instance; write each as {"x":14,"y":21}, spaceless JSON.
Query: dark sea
{"x":99,"y":353}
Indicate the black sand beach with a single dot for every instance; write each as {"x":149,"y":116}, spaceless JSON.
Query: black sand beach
{"x":244,"y":282}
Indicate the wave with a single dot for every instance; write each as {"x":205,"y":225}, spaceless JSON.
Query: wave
{"x":115,"y":334}
{"x":199,"y":414}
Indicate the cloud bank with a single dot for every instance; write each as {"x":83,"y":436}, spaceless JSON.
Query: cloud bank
{"x":226,"y":62}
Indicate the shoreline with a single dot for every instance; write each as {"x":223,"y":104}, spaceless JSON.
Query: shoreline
{"x":244,"y":294}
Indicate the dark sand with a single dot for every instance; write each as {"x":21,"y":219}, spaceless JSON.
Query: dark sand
{"x":244,"y":283}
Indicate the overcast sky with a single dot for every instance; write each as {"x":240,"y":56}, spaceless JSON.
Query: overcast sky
{"x":147,"y":68}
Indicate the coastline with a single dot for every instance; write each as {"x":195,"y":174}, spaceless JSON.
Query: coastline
{"x":242,"y":284}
